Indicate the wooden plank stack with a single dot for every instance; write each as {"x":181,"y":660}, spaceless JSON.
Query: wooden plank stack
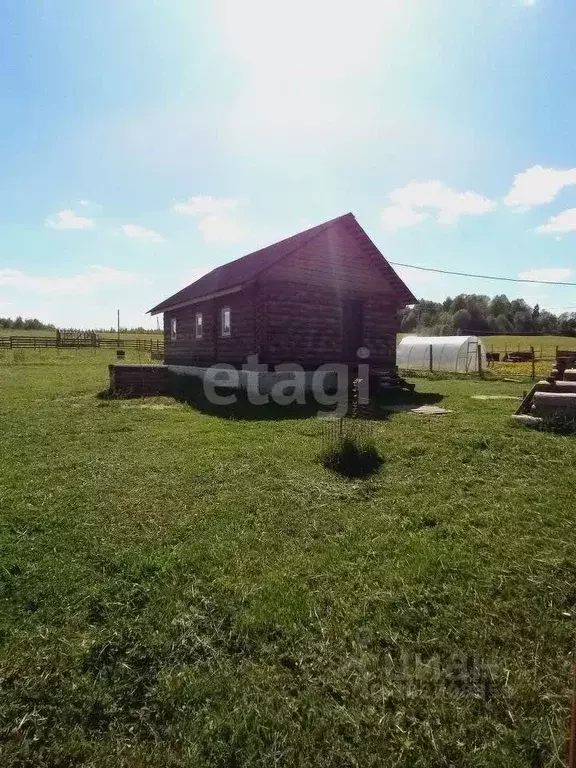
{"x":553,"y":397}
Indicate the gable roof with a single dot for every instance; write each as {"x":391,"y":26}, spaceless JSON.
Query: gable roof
{"x":237,"y":273}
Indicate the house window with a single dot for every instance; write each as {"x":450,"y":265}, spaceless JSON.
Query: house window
{"x":225,"y":328}
{"x":199,"y":325}
{"x":173,"y":329}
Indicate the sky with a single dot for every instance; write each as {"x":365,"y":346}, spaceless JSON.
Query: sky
{"x":144,"y":142}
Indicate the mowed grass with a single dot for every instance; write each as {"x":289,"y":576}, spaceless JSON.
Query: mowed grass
{"x":182,"y":589}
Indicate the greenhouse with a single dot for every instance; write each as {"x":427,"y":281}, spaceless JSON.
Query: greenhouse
{"x":456,"y":354}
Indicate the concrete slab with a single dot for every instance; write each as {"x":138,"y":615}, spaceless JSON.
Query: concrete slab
{"x":430,"y":410}
{"x":528,"y":421}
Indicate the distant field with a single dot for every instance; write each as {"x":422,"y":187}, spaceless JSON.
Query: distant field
{"x":544,"y":346}
{"x":104,"y":334}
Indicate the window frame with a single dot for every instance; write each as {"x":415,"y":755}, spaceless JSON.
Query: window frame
{"x":173,"y":329}
{"x":225,"y":333}
{"x":198,"y":326}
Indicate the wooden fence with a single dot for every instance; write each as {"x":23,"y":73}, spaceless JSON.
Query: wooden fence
{"x":148,"y":346}
{"x":538,"y":351}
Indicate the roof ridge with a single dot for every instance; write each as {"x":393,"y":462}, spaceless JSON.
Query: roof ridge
{"x":248,"y":258}
{"x":319,"y":229}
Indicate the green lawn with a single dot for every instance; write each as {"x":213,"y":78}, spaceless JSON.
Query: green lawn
{"x":181,"y":589}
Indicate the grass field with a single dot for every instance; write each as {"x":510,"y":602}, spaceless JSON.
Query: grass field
{"x":544,"y":346}
{"x":104,"y":334}
{"x":183,"y":589}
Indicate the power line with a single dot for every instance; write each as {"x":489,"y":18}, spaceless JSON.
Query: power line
{"x":482,"y":277}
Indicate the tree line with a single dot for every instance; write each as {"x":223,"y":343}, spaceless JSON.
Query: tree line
{"x":33,"y":324}
{"x":476,"y":314}
{"x":25,"y":324}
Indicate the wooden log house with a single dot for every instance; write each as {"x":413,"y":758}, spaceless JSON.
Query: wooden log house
{"x":314,"y":298}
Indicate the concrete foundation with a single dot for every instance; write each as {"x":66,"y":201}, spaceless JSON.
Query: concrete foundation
{"x":138,"y":380}
{"x":155,"y":379}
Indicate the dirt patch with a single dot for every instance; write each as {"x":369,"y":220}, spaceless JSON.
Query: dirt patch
{"x":496,"y":397}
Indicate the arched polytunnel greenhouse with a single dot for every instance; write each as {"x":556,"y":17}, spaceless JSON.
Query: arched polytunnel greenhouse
{"x":455,"y":354}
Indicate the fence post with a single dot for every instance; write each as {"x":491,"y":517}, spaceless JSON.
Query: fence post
{"x":431,"y":359}
{"x":479,"y":353}
{"x":533,"y":363}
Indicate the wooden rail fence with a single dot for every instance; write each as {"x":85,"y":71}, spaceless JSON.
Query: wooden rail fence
{"x":53,"y":342}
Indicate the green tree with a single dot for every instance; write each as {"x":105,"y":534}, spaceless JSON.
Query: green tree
{"x":500,"y":305}
{"x":503,"y":325}
{"x":462,"y":321}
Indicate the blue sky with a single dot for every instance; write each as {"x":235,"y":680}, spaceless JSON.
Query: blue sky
{"x":144,"y":142}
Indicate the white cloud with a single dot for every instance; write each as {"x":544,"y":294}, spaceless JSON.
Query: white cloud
{"x":95,"y":278}
{"x":221,"y":229}
{"x":399,"y":216}
{"x":206,"y":205}
{"x":560,"y":224}
{"x":547,"y":274}
{"x":538,"y":185}
{"x":68,"y":219}
{"x":137,"y":232}
{"x":420,"y":199}
{"x":215,"y":222}
{"x":527,"y":3}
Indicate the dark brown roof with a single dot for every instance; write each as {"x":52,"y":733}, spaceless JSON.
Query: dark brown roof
{"x":247,"y":268}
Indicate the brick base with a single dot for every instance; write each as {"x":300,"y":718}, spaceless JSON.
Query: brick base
{"x":139,"y":379}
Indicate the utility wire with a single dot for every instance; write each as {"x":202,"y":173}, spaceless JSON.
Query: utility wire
{"x":482,"y":277}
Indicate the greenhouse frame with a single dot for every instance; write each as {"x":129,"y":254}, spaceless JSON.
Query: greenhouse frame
{"x":454,"y":354}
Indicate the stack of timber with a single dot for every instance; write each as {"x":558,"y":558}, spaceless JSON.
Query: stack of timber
{"x":553,"y":397}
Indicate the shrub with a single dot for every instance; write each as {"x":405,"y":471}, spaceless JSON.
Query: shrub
{"x":349,"y":448}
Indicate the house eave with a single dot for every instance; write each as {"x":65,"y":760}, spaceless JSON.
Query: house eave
{"x":160,"y":308}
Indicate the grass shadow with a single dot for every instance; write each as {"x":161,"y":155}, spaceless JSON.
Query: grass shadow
{"x":190,"y":390}
{"x":559,"y":423}
{"x":414,"y":399}
{"x":352,"y":458}
{"x":111,"y":394}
